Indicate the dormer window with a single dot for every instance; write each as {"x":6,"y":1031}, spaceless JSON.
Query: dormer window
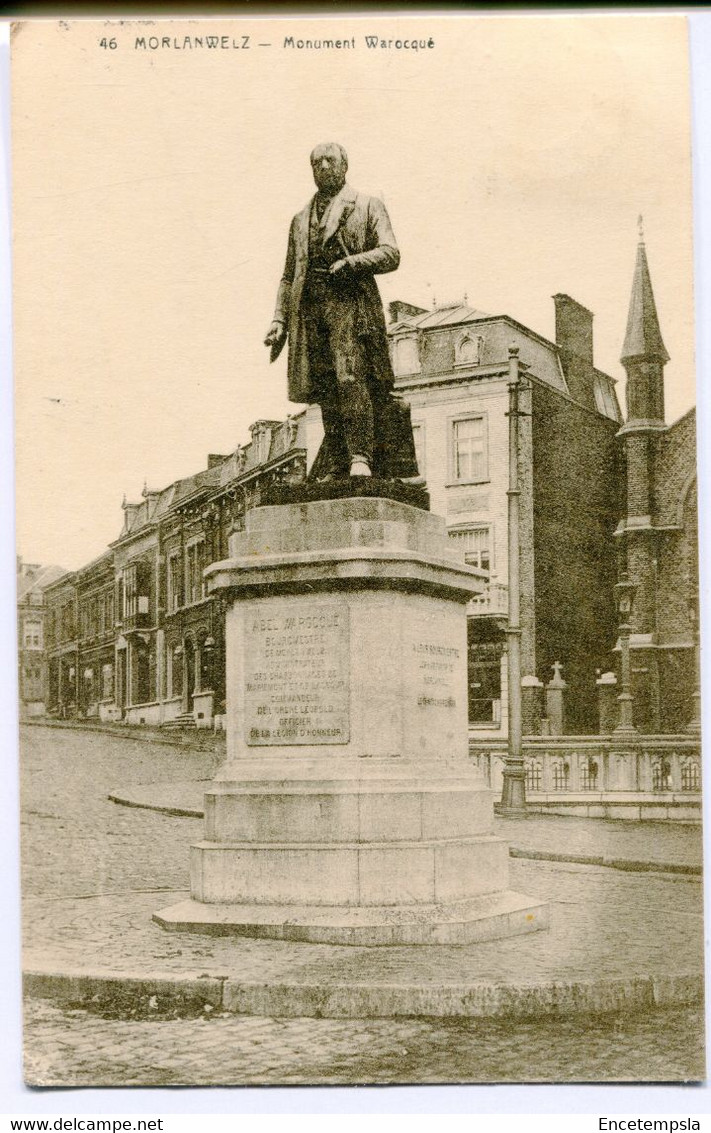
{"x":467,"y":349}
{"x":406,"y":355}
{"x":605,"y":398}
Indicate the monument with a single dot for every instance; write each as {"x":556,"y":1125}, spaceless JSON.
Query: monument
{"x":328,"y":307}
{"x":347,"y":810}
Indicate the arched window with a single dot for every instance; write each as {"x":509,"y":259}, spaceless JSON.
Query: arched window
{"x":176,"y":671}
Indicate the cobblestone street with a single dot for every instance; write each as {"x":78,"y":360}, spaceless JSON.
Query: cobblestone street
{"x":76,"y":1048}
{"x":93,"y":872}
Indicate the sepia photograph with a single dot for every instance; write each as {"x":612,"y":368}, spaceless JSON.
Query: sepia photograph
{"x":357,"y":554}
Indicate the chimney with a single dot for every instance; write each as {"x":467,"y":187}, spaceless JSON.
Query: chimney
{"x":399,"y":310}
{"x":573,"y":328}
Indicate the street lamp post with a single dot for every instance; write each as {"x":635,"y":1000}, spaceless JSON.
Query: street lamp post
{"x":513,"y":795}
{"x":625,"y":591}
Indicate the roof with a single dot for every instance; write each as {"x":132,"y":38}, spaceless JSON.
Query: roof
{"x":38,"y":580}
{"x":285,"y":435}
{"x":448,"y":315}
{"x":643,"y":338}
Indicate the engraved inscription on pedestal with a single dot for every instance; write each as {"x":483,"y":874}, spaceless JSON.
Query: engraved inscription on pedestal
{"x":436,"y":665}
{"x":297,"y":674}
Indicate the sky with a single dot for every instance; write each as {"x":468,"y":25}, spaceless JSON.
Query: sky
{"x":153,"y":192}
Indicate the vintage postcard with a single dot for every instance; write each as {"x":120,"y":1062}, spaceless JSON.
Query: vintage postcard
{"x":357,"y":552}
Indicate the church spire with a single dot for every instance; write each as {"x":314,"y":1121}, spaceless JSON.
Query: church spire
{"x":643,"y":339}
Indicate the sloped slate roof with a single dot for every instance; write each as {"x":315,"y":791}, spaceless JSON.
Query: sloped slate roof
{"x":643,"y":338}
{"x":445,"y":316}
{"x":44,"y":577}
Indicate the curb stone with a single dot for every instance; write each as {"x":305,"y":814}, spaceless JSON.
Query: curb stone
{"x":157,"y":808}
{"x":630,"y":864}
{"x":211,"y":743}
{"x":279,"y":1000}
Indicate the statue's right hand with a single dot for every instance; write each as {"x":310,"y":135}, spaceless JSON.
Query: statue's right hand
{"x":275,"y":335}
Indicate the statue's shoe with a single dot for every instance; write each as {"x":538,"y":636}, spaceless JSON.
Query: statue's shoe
{"x":360,"y":468}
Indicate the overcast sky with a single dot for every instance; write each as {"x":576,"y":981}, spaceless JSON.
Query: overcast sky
{"x":154,"y":190}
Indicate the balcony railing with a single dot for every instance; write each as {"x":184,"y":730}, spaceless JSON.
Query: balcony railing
{"x":494,"y":600}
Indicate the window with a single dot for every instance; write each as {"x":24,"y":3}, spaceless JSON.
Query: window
{"x":33,"y":635}
{"x":605,"y":398}
{"x":107,"y":681}
{"x":67,"y":622}
{"x":406,"y":356}
{"x":174,"y":582}
{"x":469,"y":458}
{"x":484,"y":680}
{"x":88,"y":678}
{"x":144,"y":672}
{"x":193,"y":573}
{"x":136,"y":589}
{"x":418,"y":436}
{"x":107,"y":614}
{"x":476,"y":544}
{"x":130,"y":596}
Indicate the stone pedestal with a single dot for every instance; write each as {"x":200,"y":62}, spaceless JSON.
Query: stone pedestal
{"x":347,"y":810}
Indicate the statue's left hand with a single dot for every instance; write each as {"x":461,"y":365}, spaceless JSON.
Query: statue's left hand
{"x":339,"y":267}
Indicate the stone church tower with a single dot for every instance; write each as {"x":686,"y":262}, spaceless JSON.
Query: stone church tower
{"x":655,"y":539}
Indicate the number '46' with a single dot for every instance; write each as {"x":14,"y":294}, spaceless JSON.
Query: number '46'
{"x":110,"y":43}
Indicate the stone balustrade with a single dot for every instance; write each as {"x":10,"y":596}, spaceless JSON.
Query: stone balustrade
{"x":494,"y":599}
{"x":651,"y":777}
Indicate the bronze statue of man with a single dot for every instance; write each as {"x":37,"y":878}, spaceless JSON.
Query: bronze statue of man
{"x":329,"y":307}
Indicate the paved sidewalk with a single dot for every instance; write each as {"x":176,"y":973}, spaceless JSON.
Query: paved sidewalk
{"x":664,"y":843}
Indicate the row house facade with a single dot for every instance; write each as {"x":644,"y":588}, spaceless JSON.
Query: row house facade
{"x":62,"y":646}
{"x":32,"y":579}
{"x":133,"y":636}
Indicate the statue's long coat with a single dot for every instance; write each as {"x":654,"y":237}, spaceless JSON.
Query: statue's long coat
{"x":358,"y":228}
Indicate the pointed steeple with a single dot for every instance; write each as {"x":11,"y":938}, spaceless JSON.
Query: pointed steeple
{"x":643,"y":338}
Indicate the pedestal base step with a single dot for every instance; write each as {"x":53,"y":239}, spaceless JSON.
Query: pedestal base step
{"x":478,"y":919}
{"x":361,"y":487}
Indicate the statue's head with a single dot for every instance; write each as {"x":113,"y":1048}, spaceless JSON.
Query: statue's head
{"x":329,"y":163}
